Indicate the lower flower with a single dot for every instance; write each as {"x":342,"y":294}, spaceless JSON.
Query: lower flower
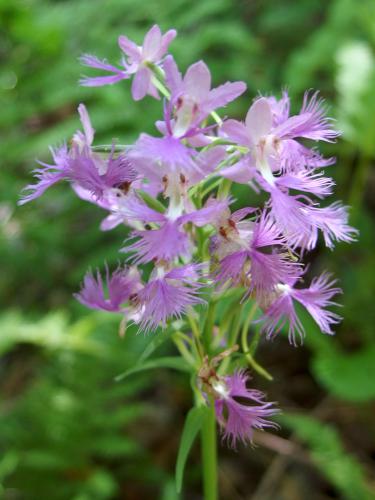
{"x":240,"y":410}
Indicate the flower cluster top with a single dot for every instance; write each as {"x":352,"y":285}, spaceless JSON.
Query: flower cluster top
{"x":173,"y":190}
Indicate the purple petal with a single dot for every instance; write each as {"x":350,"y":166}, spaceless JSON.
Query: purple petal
{"x":259,"y":119}
{"x":141,"y":83}
{"x":266,"y":233}
{"x":235,"y":131}
{"x":292,"y":217}
{"x":167,"y":38}
{"x":164,"y":244}
{"x":47,"y":175}
{"x":86,"y":124}
{"x":239,"y":417}
{"x":311,"y":123}
{"x":167,"y":151}
{"x":280,"y":314}
{"x":222,"y":95}
{"x":130,"y":48}
{"x":240,"y":214}
{"x":209,"y":214}
{"x":172,"y":75}
{"x":151,"y":44}
{"x":280,"y":108}
{"x":231,"y":268}
{"x":120,"y":286}
{"x":197,"y":81}
{"x":240,"y":172}
{"x":133,"y":208}
{"x":87,"y":195}
{"x":294,"y":157}
{"x":307,"y":181}
{"x":267,"y":270}
{"x":333,"y":222}
{"x":111,"y":221}
{"x":166,"y":298}
{"x":94,"y":62}
{"x":317,"y":297}
{"x":98,"y":81}
{"x":83,"y":170}
{"x":119,"y":171}
{"x":188,"y":272}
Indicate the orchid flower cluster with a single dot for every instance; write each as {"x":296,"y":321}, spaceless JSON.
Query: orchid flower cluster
{"x":172,"y":190}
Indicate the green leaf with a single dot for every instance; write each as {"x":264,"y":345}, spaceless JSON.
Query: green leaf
{"x":327,"y":452}
{"x":193,"y":424}
{"x":347,"y":376}
{"x":157,"y":341}
{"x":174,"y":362}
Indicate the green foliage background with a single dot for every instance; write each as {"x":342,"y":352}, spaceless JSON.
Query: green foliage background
{"x":58,"y":362}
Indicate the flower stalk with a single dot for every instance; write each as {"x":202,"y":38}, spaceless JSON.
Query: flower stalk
{"x":209,"y":453}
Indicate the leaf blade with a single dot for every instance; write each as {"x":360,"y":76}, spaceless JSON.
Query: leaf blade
{"x":193,"y":424}
{"x":174,"y":362}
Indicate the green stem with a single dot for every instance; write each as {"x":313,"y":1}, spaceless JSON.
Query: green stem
{"x":248,"y":351}
{"x":224,"y":189}
{"x":216,"y":117}
{"x":257,"y":367}
{"x":208,"y":326}
{"x":150,"y":201}
{"x":254,"y":342}
{"x":185,"y":353}
{"x":211,"y":187}
{"x":161,"y":87}
{"x":209,"y":454}
{"x":196,"y":334}
{"x":236,"y":325}
{"x":107,"y":148}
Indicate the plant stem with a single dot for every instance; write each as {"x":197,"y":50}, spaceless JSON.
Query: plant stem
{"x":161,"y":87}
{"x":250,"y":351}
{"x":208,"y":326}
{"x":185,"y":353}
{"x":209,"y":454}
{"x":254,"y":342}
{"x":236,"y":326}
{"x":224,"y":189}
{"x":257,"y":367}
{"x":196,"y":334}
{"x":108,"y":148}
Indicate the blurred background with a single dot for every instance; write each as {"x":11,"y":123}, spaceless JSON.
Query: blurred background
{"x":67,"y":430}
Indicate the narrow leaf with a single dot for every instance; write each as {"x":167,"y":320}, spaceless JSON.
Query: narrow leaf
{"x":193,"y":424}
{"x":157,"y":340}
{"x":173,"y":362}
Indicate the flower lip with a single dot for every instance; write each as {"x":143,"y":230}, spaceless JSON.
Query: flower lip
{"x":220,"y":389}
